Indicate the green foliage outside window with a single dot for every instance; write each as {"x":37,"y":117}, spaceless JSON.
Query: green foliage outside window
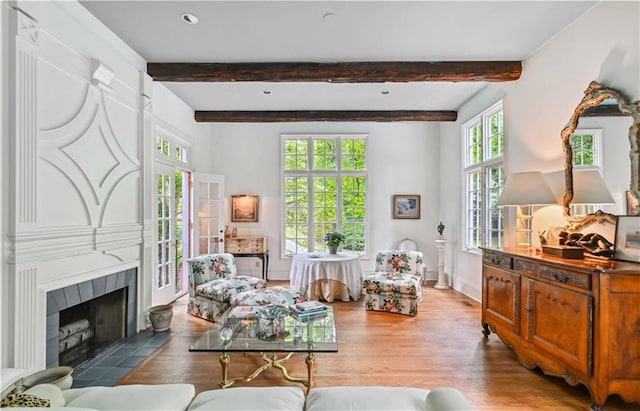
{"x":329,"y":197}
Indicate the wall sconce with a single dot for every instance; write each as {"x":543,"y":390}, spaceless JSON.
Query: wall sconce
{"x":525,"y":189}
{"x":101,"y":75}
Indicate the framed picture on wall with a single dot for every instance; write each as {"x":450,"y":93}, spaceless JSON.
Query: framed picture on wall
{"x":406,"y":206}
{"x":627,"y":242}
{"x":244,"y":208}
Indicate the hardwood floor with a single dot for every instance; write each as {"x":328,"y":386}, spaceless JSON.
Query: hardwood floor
{"x":442,"y":346}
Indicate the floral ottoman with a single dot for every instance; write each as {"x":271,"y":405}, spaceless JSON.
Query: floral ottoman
{"x":269,"y":296}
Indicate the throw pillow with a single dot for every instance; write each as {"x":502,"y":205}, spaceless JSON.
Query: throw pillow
{"x":24,"y":401}
{"x":50,"y":392}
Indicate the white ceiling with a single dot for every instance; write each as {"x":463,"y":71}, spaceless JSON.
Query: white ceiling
{"x":298,"y":31}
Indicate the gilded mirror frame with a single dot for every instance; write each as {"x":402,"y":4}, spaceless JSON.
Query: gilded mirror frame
{"x":595,"y":94}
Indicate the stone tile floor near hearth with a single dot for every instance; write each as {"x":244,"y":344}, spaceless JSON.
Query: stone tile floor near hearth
{"x":118,"y":360}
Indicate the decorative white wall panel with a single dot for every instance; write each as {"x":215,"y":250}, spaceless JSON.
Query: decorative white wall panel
{"x":30,"y":319}
{"x":77,"y":172}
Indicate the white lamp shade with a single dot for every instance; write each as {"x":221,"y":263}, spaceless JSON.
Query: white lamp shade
{"x":526,"y":188}
{"x":588,"y":187}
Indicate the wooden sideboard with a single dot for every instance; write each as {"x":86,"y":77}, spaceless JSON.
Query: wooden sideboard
{"x":576,"y":319}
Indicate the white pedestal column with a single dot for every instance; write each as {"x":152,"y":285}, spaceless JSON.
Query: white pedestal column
{"x":442,"y":283}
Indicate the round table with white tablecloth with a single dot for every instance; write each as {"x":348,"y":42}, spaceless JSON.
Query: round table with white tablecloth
{"x":327,"y":276}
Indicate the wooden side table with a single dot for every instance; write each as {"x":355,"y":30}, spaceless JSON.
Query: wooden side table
{"x":263,"y":256}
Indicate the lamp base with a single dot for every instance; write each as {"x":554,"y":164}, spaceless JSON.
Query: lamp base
{"x":563,"y":251}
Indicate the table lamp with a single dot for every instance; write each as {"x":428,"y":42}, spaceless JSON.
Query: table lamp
{"x":588,"y":187}
{"x":527,"y":188}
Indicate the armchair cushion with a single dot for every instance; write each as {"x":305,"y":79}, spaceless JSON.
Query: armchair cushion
{"x":393,"y":282}
{"x":269,"y":296}
{"x":223,"y":289}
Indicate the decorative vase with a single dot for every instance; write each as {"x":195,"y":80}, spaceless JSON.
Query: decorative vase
{"x":160,"y":317}
{"x":333,"y":249}
{"x":227,"y":232}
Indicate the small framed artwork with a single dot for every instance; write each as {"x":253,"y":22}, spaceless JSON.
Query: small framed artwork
{"x":627,"y":243}
{"x":633,"y":208}
{"x":244,"y":208}
{"x":406,"y":206}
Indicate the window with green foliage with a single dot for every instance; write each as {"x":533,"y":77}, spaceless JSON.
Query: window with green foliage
{"x":484,"y":178}
{"x":324,"y":187}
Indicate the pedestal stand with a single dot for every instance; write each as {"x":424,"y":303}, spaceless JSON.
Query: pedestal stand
{"x":442,"y":283}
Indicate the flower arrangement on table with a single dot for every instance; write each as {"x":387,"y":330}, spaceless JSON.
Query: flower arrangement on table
{"x":333,"y":240}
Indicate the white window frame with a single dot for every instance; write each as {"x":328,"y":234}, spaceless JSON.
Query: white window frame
{"x":161,"y":161}
{"x":482,"y":167}
{"x":310,"y":173}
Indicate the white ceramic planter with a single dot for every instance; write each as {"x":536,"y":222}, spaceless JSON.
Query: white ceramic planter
{"x":160,"y":317}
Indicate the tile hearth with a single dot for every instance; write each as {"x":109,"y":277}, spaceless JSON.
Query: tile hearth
{"x":118,"y":360}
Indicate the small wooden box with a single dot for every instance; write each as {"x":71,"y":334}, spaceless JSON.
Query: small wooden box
{"x":245,"y":245}
{"x":563,"y":251}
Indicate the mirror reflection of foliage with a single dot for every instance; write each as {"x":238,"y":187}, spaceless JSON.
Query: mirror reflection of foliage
{"x":582,"y":146}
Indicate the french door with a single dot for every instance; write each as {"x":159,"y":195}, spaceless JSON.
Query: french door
{"x":172,"y":233}
{"x":208,"y":204}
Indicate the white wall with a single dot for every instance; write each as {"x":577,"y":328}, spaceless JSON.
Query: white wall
{"x":403,"y":158}
{"x":602,"y":45}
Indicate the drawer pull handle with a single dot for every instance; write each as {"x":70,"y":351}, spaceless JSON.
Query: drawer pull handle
{"x":560,"y":277}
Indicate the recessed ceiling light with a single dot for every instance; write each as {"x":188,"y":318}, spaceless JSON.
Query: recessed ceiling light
{"x":384,"y":92}
{"x":189,"y":18}
{"x":267,"y":92}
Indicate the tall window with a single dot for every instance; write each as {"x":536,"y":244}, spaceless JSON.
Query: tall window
{"x":586,"y":146}
{"x":484,"y":177}
{"x":324,"y":186}
{"x":172,"y":196}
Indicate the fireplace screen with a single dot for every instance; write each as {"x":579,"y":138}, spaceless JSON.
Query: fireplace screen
{"x":90,"y":327}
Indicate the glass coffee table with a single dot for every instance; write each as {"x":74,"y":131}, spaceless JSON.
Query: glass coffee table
{"x":275,"y":342}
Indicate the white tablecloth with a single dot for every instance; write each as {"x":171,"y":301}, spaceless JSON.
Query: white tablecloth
{"x":327,"y":277}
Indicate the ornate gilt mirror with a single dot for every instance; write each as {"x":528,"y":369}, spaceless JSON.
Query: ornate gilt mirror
{"x":594,"y":96}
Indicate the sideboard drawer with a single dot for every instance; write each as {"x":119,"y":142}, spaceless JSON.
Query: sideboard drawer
{"x":501,"y":260}
{"x":248,"y":245}
{"x":573,"y":278}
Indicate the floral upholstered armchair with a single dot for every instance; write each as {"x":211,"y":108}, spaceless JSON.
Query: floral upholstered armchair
{"x":395,"y":286}
{"x":213,"y":281}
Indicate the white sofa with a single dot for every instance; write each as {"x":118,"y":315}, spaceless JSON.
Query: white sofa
{"x":362,"y":398}
{"x":180,"y":397}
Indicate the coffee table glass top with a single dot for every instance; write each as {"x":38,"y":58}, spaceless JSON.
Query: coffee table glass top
{"x":317,"y":334}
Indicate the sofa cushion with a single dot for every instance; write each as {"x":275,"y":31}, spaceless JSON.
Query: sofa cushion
{"x":223,"y":289}
{"x":366,"y":398}
{"x":250,"y":399}
{"x":165,"y":397}
{"x":446,"y":399}
{"x":51,"y":392}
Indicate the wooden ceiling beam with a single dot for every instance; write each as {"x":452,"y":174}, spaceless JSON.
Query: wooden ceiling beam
{"x":322,"y":115}
{"x":347,"y":72}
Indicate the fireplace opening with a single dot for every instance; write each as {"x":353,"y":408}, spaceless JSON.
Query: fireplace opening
{"x":90,"y":327}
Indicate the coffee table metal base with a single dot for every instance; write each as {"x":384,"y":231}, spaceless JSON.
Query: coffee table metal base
{"x":270,"y":362}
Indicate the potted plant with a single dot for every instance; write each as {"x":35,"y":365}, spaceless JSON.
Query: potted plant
{"x":333,"y":240}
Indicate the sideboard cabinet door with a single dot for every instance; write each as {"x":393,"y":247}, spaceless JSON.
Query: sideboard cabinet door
{"x":501,"y":299}
{"x":561,"y":323}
